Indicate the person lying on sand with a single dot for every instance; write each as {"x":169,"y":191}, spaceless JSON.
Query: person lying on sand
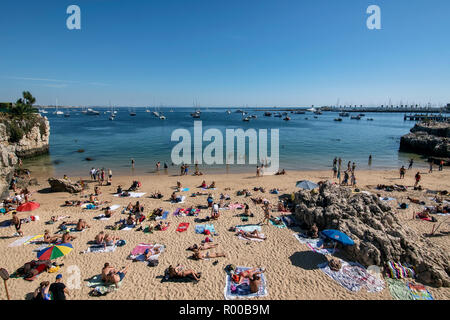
{"x":250,"y":235}
{"x":81,"y":225}
{"x":108,"y":212}
{"x":198,"y":255}
{"x":107,"y":268}
{"x":158,"y":212}
{"x":130,"y":220}
{"x":54,"y":219}
{"x":149,"y":253}
{"x":162,"y":225}
{"x":110,"y":240}
{"x":93,"y":199}
{"x":203,"y":185}
{"x":198,"y":173}
{"x":212,"y":185}
{"x":204,"y":246}
{"x":276,"y":220}
{"x":156,"y":195}
{"x":282,"y":172}
{"x":70,"y":203}
{"x":100,"y":238}
{"x":50,"y":239}
{"x":179,"y":272}
{"x":66,"y":237}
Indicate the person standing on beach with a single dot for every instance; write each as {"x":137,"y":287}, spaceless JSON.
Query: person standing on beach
{"x":132,"y":163}
{"x":402,"y":172}
{"x":441,"y":165}
{"x":431,"y":167}
{"x":418,"y":177}
{"x":58,"y":289}
{"x":92,"y":173}
{"x":353,"y":167}
{"x":335,"y":161}
{"x":349,"y":166}
{"x":182,"y":169}
{"x":266,"y":208}
{"x":334,"y":169}
{"x":370,"y":160}
{"x":410,"y":164}
{"x":353,"y":179}
{"x":258,"y":173}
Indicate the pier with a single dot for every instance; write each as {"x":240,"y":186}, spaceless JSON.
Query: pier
{"x":425,"y":117}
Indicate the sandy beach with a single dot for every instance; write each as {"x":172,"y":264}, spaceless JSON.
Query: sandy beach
{"x":291,"y":268}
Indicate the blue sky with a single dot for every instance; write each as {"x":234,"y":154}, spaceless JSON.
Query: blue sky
{"x":225,"y":53}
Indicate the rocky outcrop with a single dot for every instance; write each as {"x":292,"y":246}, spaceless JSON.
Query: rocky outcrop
{"x":432,"y":139}
{"x":379,"y":236}
{"x":64,"y":185}
{"x":34,"y":141}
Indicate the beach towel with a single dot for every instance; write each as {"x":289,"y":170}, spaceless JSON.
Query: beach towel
{"x":184,"y":189}
{"x":138,"y":252}
{"x":242,"y":291}
{"x":314,"y":244}
{"x":386,"y":199}
{"x":396,"y":270}
{"x":183,"y":212}
{"x":99,"y":248}
{"x":419,"y":292}
{"x":128,"y":227}
{"x":114,"y":207}
{"x":102,"y":217}
{"x":89,"y":206}
{"x":200,"y":228}
{"x":205,"y":189}
{"x":22,"y":241}
{"x":132,"y":194}
{"x":249,"y":227}
{"x":233,"y":206}
{"x":183,"y":226}
{"x":353,"y":277}
{"x":97,"y":283}
{"x":399,"y":290}
{"x":280,"y":226}
{"x":164,"y":216}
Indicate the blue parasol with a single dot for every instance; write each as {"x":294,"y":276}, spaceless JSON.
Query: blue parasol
{"x":306,"y":184}
{"x":338,"y":236}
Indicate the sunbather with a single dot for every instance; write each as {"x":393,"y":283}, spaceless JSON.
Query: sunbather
{"x":110,"y":240}
{"x":250,"y":235}
{"x":50,"y":239}
{"x":204,"y":246}
{"x":66,"y":237}
{"x":100,"y":238}
{"x":198,"y":255}
{"x":179,"y":272}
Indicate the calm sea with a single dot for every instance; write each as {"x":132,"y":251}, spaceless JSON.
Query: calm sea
{"x":304,"y":144}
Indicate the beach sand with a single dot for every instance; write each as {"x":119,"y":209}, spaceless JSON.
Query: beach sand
{"x":291,"y":268}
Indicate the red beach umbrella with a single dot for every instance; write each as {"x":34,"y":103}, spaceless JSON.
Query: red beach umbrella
{"x":28,"y":206}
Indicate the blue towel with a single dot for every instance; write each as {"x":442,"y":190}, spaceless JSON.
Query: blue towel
{"x":200,"y":228}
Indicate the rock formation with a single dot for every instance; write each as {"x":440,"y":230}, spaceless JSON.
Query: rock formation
{"x":379,"y":236}
{"x":64,"y":185}
{"x":431,"y":139}
{"x":34,"y":142}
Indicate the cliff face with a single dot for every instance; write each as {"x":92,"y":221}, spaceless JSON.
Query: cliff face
{"x":431,"y":139}
{"x":35,"y":141}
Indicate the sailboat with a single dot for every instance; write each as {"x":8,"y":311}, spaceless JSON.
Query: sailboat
{"x":58,"y":113}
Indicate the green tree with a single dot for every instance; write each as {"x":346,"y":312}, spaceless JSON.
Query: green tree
{"x":24,"y":106}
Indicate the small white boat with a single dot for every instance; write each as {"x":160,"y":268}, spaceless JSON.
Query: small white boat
{"x":92,"y":112}
{"x":162,"y":117}
{"x":42,"y":111}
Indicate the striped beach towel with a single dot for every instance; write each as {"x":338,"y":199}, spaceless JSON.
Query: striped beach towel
{"x":396,"y":270}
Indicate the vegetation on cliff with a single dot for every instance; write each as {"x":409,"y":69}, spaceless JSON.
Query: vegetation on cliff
{"x":20,"y":117}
